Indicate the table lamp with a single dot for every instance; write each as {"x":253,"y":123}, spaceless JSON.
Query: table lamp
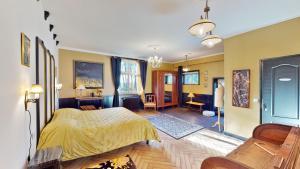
{"x":219,"y":103}
{"x":58,"y":86}
{"x":80,"y":88}
{"x":191,"y":95}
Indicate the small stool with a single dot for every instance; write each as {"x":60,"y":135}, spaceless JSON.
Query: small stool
{"x":46,"y":158}
{"x":209,"y":113}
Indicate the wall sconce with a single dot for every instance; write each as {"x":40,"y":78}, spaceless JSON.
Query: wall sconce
{"x":32,"y":95}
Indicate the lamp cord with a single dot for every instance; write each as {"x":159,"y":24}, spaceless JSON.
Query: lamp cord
{"x":28,"y":159}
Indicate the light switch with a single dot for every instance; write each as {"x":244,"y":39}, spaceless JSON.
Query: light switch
{"x":255,"y":100}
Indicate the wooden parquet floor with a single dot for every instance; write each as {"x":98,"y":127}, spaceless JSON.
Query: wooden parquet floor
{"x":185,"y":153}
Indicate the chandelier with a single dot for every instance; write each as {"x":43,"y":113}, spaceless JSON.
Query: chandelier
{"x":155,"y":60}
{"x":203,"y":28}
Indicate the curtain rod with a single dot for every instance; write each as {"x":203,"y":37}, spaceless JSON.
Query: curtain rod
{"x":129,"y":58}
{"x":199,"y":63}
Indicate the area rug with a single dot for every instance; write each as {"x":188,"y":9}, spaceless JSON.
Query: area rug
{"x":118,"y":163}
{"x":173,"y":126}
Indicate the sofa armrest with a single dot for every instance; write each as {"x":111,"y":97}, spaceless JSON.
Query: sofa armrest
{"x":222,"y":163}
{"x":272,"y":133}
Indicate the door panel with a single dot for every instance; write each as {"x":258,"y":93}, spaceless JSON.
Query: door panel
{"x":285,"y":91}
{"x":280,"y":90}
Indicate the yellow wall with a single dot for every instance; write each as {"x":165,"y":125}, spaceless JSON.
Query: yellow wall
{"x":245,"y":52}
{"x":214,"y":66}
{"x":66,"y":58}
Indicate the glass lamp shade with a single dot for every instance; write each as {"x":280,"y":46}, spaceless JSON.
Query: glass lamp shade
{"x":202,"y":27}
{"x":211,"y":40}
{"x":36,"y":89}
{"x":155,"y":61}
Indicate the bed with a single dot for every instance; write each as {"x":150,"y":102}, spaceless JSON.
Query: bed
{"x":86,"y":133}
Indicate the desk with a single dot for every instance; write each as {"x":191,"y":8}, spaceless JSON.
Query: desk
{"x":195,"y":104}
{"x":89,"y":101}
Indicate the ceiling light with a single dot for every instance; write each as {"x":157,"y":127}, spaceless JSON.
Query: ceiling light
{"x":186,"y":68}
{"x":211,"y":40}
{"x":202,"y":26}
{"x":155,"y":60}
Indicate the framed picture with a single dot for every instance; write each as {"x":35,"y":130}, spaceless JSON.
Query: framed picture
{"x":25,"y":50}
{"x":88,"y":74}
{"x":241,"y":88}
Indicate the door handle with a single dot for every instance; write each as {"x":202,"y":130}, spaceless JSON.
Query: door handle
{"x":265,"y":108}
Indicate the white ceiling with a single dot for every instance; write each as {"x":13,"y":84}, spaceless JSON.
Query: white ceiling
{"x":127,"y":27}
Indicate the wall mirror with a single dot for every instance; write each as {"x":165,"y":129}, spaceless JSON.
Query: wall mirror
{"x":168,"y":87}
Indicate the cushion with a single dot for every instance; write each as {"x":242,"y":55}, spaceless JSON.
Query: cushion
{"x":209,"y":113}
{"x":150,"y":104}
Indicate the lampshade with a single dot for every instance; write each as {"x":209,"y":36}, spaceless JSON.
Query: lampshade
{"x":202,"y":27}
{"x":219,"y":96}
{"x":211,"y":40}
{"x":81,"y":87}
{"x":36,"y":89}
{"x":191,"y":95}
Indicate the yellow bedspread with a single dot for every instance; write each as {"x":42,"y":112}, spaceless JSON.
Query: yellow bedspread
{"x":86,"y":133}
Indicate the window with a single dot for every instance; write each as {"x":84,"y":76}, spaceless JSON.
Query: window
{"x":191,"y":78}
{"x":130,"y":75}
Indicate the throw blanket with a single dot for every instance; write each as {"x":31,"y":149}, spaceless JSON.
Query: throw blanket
{"x":86,"y":133}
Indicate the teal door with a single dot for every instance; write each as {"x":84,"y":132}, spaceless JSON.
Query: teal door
{"x":280,"y":90}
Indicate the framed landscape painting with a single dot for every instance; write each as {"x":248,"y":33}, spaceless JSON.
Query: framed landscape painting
{"x":241,"y":88}
{"x":88,"y":74}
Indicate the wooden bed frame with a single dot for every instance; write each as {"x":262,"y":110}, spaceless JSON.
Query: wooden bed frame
{"x":45,"y":76}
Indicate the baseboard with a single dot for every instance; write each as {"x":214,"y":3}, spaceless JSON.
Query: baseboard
{"x":235,"y":136}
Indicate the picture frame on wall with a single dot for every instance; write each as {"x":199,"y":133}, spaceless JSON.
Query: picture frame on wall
{"x":88,"y":74}
{"x":241,"y":88}
{"x":25,"y":50}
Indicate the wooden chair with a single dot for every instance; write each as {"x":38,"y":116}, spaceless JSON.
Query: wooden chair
{"x":150,"y":102}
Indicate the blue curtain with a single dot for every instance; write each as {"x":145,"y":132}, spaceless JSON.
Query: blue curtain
{"x":143,"y":71}
{"x":180,"y":86}
{"x":116,"y":73}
